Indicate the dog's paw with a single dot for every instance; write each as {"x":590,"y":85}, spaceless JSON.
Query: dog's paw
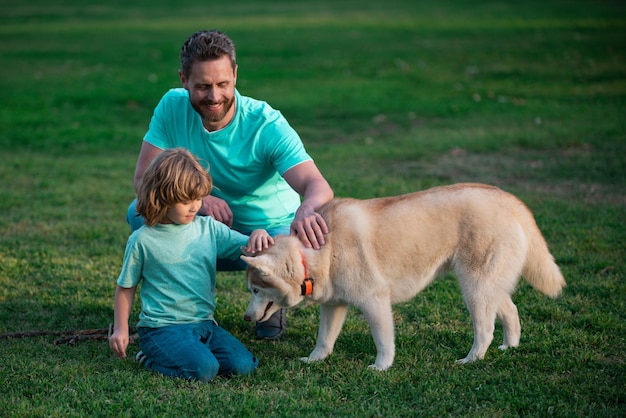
{"x":378,"y":368}
{"x":308,"y":359}
{"x":469,"y":359}
{"x":473,"y":355}
{"x":317,"y":354}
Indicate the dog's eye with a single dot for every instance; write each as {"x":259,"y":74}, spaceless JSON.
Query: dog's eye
{"x":255,"y":291}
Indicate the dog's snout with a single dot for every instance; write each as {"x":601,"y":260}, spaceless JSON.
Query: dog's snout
{"x":247,"y":318}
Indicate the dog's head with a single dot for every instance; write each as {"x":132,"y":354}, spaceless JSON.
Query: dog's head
{"x":274,"y":278}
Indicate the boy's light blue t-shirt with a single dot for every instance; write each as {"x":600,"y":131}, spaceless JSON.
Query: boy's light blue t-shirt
{"x":175,"y":265}
{"x":246,"y":159}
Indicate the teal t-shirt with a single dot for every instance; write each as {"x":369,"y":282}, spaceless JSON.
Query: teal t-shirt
{"x":175,"y":265}
{"x":246,"y":159}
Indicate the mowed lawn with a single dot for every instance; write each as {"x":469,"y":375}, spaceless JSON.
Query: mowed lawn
{"x":389,"y":98}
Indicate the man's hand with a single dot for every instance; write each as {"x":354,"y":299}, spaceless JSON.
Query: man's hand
{"x":310,"y":227}
{"x":218,"y":209}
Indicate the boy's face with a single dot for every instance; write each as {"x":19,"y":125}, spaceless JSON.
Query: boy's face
{"x":211,"y":87}
{"x":183,"y":213}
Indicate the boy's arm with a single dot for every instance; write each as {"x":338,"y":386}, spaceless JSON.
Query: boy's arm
{"x":123,"y":304}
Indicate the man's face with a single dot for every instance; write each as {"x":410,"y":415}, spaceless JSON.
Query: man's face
{"x":211,"y":87}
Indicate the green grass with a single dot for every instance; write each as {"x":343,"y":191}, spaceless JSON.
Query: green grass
{"x":389,"y":97}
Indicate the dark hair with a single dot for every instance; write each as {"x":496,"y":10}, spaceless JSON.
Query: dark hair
{"x":206,"y":45}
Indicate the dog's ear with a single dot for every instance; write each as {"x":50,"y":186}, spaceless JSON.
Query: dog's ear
{"x":256,"y":263}
{"x":244,"y":251}
{"x":248,"y":259}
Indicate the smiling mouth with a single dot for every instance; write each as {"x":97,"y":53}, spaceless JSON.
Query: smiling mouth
{"x":267,"y":308}
{"x":213,"y":105}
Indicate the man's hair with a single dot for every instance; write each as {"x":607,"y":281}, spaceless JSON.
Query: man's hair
{"x":206,"y":45}
{"x":174,"y":176}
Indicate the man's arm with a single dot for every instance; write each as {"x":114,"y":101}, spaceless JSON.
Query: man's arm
{"x":306,"y":179}
{"x":146,"y":155}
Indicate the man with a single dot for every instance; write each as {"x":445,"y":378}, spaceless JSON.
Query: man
{"x":262,"y":174}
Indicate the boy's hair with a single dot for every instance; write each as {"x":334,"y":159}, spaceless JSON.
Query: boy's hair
{"x":206,"y":45}
{"x":174,"y":176}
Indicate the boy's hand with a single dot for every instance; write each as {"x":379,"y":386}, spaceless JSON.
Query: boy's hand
{"x":118,"y":341}
{"x":258,"y":241}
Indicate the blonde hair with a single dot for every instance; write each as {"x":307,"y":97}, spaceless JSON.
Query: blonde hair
{"x":174,"y":176}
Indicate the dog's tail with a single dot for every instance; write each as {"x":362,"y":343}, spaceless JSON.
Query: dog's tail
{"x":540,"y":270}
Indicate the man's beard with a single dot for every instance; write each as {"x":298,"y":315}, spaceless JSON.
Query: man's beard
{"x":213,"y":116}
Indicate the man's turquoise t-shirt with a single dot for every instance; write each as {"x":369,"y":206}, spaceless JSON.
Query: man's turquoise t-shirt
{"x":246,"y":159}
{"x":175,"y":265}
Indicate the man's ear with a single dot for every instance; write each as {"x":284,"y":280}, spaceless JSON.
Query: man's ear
{"x":183,"y":79}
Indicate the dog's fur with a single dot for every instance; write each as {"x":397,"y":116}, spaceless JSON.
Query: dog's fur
{"x":383,"y":251}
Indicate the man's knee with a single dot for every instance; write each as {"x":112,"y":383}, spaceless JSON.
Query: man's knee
{"x":133,"y":218}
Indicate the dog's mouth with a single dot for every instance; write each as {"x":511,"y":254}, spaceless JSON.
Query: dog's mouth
{"x":265,"y":315}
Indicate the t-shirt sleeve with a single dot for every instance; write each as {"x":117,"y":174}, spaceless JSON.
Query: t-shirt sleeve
{"x":171,"y":121}
{"x":228,"y":241}
{"x":130,"y":274}
{"x":157,"y":134}
{"x":286,"y":149}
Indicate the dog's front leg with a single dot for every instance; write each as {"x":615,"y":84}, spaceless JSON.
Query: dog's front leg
{"x":331,"y":321}
{"x":380,"y":319}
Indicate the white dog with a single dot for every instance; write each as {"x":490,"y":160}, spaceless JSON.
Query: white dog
{"x":383,"y":251}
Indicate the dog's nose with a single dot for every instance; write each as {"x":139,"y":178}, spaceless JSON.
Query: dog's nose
{"x":247,"y":318}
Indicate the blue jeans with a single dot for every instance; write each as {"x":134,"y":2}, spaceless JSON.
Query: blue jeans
{"x":136,"y":221}
{"x":198,"y":351}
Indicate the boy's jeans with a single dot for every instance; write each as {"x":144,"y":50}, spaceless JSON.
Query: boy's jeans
{"x":198,"y":351}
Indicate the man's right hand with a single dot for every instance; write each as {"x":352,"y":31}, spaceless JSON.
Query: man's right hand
{"x":218,"y":209}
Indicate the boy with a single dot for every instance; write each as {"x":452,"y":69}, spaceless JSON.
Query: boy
{"x":174,"y":257}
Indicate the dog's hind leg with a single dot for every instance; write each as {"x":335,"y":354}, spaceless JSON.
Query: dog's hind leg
{"x":332,"y":318}
{"x":482,"y":305}
{"x":380,"y":319}
{"x":507,"y":314}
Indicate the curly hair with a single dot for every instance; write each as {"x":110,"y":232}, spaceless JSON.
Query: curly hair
{"x":206,"y":45}
{"x":174,"y":176}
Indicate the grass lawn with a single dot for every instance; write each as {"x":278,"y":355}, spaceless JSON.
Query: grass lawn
{"x":389,"y":97}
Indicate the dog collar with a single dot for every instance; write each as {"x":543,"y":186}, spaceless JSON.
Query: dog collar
{"x":306,"y":288}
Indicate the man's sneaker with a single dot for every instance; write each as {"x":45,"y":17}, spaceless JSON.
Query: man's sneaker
{"x":273,"y":328}
{"x":141,"y":358}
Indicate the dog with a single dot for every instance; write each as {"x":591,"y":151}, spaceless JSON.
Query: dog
{"x":385,"y":250}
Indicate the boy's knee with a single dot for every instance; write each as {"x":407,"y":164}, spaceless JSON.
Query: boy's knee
{"x":204,"y":372}
{"x":245,"y":366}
